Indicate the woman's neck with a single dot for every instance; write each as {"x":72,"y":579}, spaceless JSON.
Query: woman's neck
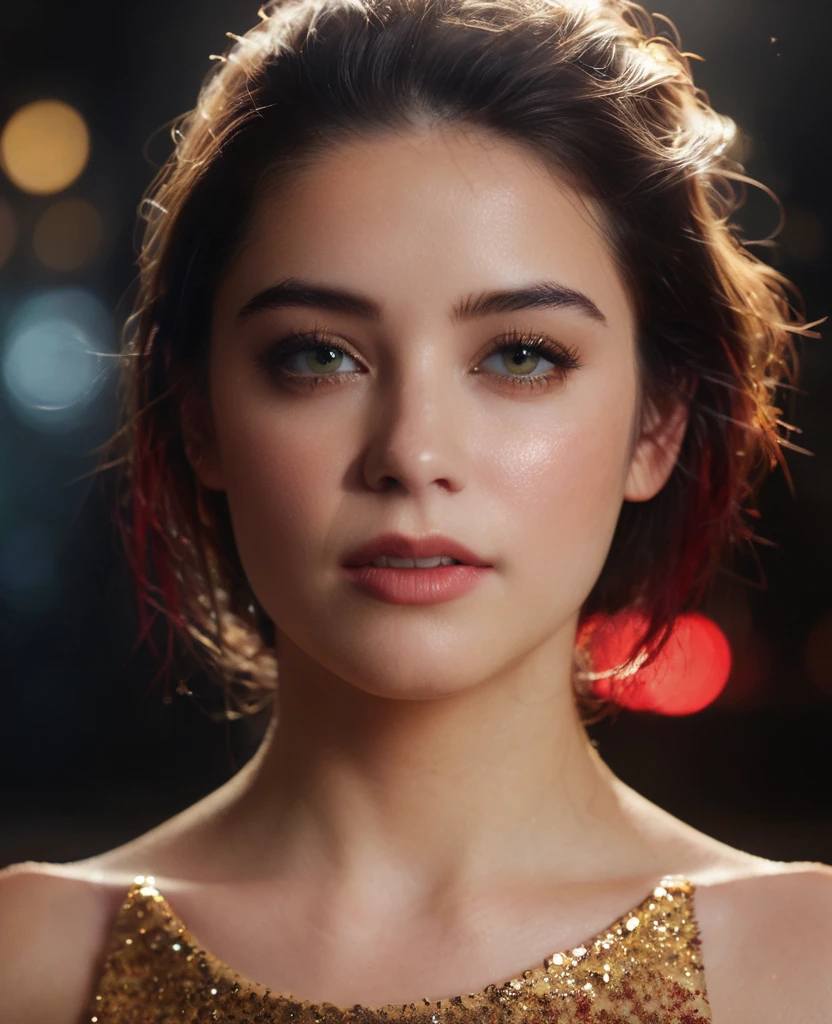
{"x":438,"y":792}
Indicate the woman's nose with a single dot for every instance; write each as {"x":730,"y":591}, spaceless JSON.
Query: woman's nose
{"x":417,"y":438}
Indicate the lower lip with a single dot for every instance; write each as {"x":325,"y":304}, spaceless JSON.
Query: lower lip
{"x":417,"y":586}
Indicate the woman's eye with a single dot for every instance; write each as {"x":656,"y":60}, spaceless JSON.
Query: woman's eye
{"x":305,"y":359}
{"x":521,"y":354}
{"x":519,"y":359}
{"x":322,"y":358}
{"x":312,"y":360}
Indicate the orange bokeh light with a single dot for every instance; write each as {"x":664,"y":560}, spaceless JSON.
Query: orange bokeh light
{"x":44,"y":146}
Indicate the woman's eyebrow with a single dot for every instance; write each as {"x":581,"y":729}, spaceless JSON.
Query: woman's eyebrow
{"x":293,"y":291}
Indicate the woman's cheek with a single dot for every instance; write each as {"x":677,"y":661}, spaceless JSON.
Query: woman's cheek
{"x":280,"y":486}
{"x":563,"y":492}
{"x":287,"y":498}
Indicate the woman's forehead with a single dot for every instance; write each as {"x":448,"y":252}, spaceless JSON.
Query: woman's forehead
{"x":466,"y":176}
{"x":454,"y":211}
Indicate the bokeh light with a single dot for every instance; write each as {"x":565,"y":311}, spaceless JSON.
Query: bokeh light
{"x":44,"y":146}
{"x":688,"y":674}
{"x":8,"y":231}
{"x":67,"y":234}
{"x":55,"y":358}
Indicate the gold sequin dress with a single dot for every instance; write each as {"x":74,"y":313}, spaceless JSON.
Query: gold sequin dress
{"x":645,"y":968}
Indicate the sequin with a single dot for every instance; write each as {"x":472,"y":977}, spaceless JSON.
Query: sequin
{"x":646,"y":968}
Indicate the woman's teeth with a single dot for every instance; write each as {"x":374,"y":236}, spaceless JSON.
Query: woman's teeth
{"x":414,"y":563}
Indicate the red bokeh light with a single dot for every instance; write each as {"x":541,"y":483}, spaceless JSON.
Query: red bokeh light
{"x":689,"y":673}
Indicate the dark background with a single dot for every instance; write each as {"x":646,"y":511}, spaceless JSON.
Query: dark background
{"x":90,"y":757}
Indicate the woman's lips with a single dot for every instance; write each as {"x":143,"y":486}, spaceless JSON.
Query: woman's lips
{"x":416,"y":586}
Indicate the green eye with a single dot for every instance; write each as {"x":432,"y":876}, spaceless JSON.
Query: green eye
{"x":519,"y":359}
{"x":325,"y":357}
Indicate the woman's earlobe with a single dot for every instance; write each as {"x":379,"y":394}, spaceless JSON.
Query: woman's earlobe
{"x":657,"y":449}
{"x":200,"y":445}
{"x":203,"y":460}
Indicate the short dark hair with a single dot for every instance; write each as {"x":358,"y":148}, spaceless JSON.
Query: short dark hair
{"x":608,"y":104}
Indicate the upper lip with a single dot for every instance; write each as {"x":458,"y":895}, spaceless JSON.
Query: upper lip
{"x":398,"y":545}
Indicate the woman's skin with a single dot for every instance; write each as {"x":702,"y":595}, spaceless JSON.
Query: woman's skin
{"x":427,"y":815}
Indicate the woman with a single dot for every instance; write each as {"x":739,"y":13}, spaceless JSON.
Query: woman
{"x":430,"y":279}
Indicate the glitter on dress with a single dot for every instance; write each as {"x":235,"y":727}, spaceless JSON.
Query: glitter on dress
{"x":646,"y":968}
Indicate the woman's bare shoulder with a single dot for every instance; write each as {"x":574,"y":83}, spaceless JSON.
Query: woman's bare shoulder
{"x":767,"y":942}
{"x":54,"y":923}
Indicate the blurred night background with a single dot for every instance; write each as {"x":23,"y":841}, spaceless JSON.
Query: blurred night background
{"x":91,"y":757}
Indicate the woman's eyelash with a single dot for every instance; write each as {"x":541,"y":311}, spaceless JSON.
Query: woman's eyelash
{"x":565,"y":358}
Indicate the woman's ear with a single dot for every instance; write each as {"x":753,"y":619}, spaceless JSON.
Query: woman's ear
{"x":200,"y":441}
{"x":657,"y":449}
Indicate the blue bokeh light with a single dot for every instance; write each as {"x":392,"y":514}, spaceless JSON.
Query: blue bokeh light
{"x":56,"y":355}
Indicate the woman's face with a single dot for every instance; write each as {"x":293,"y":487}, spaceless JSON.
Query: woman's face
{"x":525,"y":461}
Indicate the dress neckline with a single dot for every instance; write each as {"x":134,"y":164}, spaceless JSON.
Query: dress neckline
{"x":642,"y":923}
